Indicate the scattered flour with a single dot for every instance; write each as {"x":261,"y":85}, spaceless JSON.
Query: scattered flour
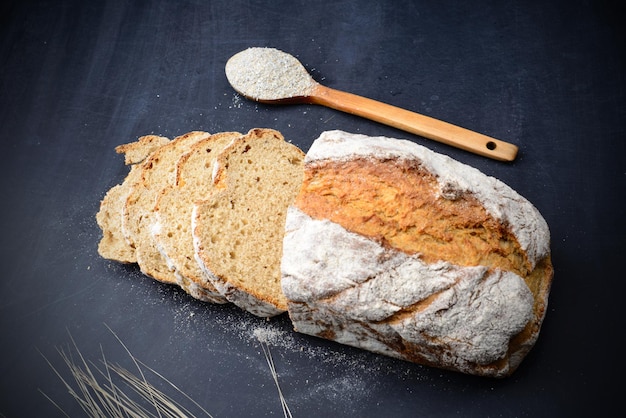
{"x":308,"y":369}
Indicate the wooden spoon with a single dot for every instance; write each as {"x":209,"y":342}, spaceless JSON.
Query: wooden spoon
{"x":269,"y":75}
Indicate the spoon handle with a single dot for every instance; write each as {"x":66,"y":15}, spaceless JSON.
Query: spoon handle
{"x":413,"y":122}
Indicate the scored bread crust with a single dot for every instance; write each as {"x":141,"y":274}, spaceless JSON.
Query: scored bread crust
{"x":171,"y":229}
{"x":113,"y":245}
{"x":238,"y":230}
{"x":157,"y":171}
{"x":396,"y":249}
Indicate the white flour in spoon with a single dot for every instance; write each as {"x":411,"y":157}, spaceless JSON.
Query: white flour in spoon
{"x":268,"y":74}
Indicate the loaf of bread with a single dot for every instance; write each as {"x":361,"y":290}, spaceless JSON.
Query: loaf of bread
{"x":401,"y":251}
{"x":238,"y":231}
{"x":373,"y":242}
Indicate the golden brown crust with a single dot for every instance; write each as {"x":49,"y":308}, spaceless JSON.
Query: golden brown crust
{"x":539,"y":281}
{"x":138,"y":151}
{"x":398,"y":204}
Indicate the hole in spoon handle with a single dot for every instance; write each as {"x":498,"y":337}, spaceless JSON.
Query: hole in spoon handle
{"x":425,"y":126}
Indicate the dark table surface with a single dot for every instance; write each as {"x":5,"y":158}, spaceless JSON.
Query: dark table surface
{"x":78,"y":78}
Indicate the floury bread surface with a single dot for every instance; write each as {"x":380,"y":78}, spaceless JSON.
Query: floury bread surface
{"x":398,"y":250}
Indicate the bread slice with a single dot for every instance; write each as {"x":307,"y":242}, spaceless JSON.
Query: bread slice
{"x":398,"y":250}
{"x":238,"y":231}
{"x":157,"y":172}
{"x":113,"y":246}
{"x":172,"y":228}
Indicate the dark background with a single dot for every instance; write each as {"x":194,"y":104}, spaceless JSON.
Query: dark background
{"x":78,"y":78}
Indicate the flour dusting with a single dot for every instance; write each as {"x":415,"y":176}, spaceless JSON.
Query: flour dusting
{"x":309,"y":370}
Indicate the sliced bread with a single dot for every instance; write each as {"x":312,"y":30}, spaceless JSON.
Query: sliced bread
{"x":172,"y":228}
{"x":238,"y":230}
{"x":113,"y":246}
{"x":157,"y":172}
